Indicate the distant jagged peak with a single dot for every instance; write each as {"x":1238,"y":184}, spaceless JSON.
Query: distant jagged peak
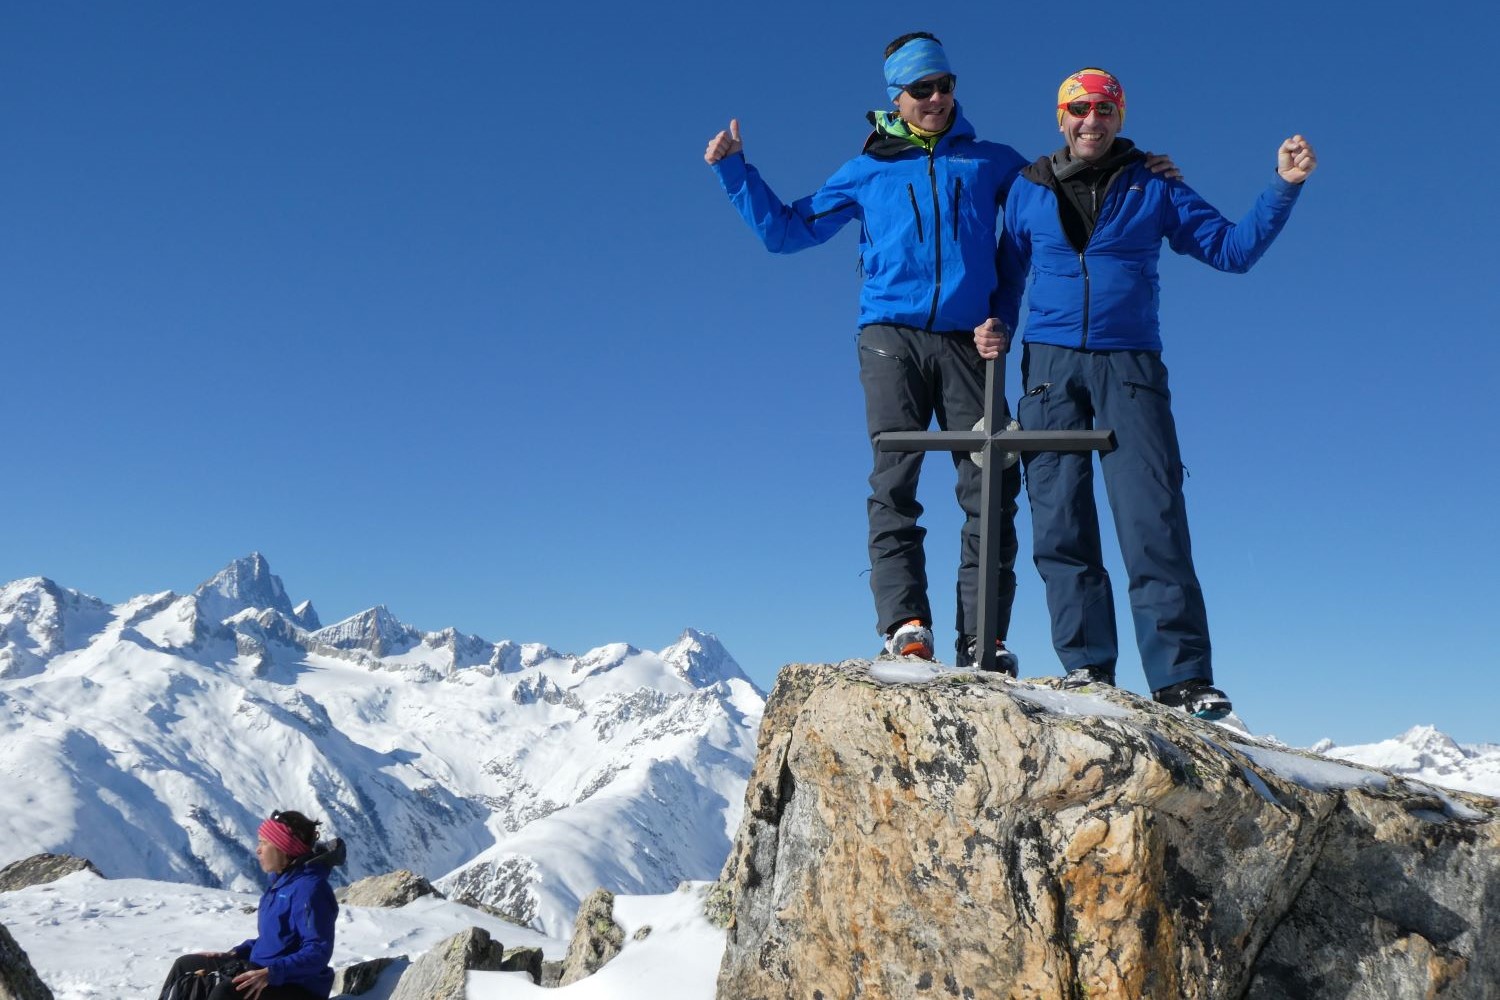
{"x":1431,"y":740}
{"x":31,"y":587}
{"x":509,"y":656}
{"x":245,"y":583}
{"x":1416,"y":743}
{"x":376,"y":630}
{"x":467,"y":650}
{"x":39,"y":620}
{"x":35,"y":594}
{"x":267,"y":623}
{"x":700,"y":659}
{"x":307,"y":616}
{"x":602,"y":658}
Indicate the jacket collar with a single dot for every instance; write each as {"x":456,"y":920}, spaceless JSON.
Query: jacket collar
{"x":891,"y":139}
{"x":1060,"y":165}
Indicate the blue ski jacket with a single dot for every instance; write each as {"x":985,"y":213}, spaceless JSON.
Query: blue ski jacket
{"x":295,"y":929}
{"x":928,"y":222}
{"x":1106,"y":297}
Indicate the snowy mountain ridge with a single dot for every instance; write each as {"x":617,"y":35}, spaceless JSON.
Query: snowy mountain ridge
{"x":1425,"y":753}
{"x":152,"y":736}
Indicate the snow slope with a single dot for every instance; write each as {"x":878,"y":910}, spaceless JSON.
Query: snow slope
{"x":527,"y":776}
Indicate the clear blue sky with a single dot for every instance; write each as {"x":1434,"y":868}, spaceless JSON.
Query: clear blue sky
{"x":437,"y":306}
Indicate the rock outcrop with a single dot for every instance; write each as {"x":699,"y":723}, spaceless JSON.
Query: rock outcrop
{"x":39,"y":869}
{"x":18,"y":980}
{"x":914,"y":833}
{"x":361,"y":977}
{"x":440,"y":974}
{"x":527,"y":960}
{"x":596,"y":938}
{"x":393,"y":889}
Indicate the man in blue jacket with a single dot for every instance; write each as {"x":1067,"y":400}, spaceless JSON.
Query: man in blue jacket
{"x":1087,"y":223}
{"x":926,"y":195}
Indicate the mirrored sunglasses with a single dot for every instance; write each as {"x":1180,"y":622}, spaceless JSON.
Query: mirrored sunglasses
{"x":1081,"y":109}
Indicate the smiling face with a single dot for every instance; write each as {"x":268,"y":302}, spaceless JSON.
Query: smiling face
{"x":1090,"y":138}
{"x":930,"y":114}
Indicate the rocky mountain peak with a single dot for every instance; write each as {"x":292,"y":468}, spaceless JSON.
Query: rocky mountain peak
{"x":1428,"y":741}
{"x":243,"y":584}
{"x":376,"y":631}
{"x":40,"y":620}
{"x":701,"y":659}
{"x":307,"y":616}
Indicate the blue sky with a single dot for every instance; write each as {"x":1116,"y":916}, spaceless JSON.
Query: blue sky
{"x":437,"y":306}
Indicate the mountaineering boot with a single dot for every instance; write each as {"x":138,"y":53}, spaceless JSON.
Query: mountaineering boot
{"x":1197,"y":697}
{"x":910,"y":638}
{"x":1084,"y":676}
{"x":1006,"y":662}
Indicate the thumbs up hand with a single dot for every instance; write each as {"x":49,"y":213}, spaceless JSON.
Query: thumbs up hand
{"x":724,"y":144}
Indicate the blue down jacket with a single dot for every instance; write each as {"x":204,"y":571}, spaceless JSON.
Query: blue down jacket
{"x":928,"y":222}
{"x":1106,"y":298}
{"x":295,"y":928}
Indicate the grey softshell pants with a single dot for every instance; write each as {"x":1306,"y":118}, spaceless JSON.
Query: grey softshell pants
{"x":909,"y":377}
{"x":1123,"y":391}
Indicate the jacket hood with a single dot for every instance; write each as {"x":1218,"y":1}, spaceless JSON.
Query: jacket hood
{"x":1061,"y":165}
{"x":325,"y":854}
{"x":319,"y":863}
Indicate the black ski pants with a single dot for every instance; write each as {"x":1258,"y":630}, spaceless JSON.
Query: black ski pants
{"x":910,"y":378}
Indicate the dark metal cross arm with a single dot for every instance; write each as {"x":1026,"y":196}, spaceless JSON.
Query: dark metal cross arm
{"x":1024,"y":441}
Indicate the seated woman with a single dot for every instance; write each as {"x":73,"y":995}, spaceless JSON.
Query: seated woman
{"x":288,"y":959}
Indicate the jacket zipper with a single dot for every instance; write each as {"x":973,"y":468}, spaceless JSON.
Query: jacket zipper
{"x":937,"y":244}
{"x":958,"y":191}
{"x":1084,"y":343}
{"x":911,"y":193}
{"x":1082,"y":262}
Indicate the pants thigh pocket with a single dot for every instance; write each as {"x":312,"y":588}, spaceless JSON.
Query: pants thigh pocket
{"x":1031,"y":408}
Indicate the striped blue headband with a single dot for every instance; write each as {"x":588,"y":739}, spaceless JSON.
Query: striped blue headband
{"x":917,"y":58}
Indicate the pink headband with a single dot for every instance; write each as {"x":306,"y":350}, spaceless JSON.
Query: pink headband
{"x":281,"y":837}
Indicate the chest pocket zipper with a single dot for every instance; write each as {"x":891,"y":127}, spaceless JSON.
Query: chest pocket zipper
{"x":911,"y":193}
{"x":958,"y":193}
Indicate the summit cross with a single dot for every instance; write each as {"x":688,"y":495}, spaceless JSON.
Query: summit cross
{"x":991,"y":444}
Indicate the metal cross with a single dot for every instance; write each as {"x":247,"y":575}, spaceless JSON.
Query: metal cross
{"x":991,"y":445}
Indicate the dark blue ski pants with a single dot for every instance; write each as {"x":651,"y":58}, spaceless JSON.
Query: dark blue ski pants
{"x":910,"y":378}
{"x":1123,"y":391}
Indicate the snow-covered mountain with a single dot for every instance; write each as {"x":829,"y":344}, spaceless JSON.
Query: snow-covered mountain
{"x":1428,"y":755}
{"x":152,"y":736}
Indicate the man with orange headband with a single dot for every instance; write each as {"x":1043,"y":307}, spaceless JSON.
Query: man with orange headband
{"x":1087,"y":223}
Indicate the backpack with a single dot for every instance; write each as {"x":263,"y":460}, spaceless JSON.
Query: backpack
{"x":193,"y":985}
{"x":198,"y":985}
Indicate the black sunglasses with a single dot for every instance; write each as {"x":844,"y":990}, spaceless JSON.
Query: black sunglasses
{"x":1081,"y":109}
{"x":922,"y":89}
